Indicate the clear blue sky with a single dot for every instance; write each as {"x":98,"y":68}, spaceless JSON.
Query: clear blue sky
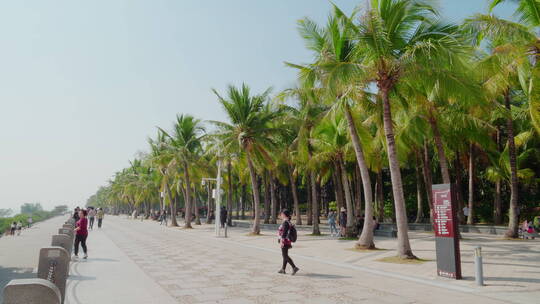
{"x":84,"y":83}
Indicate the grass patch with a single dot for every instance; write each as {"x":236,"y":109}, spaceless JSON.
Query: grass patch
{"x":348,"y":238}
{"x":311,"y":234}
{"x":398,"y":260}
{"x":366,"y":250}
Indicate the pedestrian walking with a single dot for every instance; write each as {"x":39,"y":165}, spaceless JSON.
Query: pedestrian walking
{"x":343,"y":221}
{"x":13,"y":228}
{"x":91,"y":217}
{"x":359,"y":223}
{"x":30,"y":221}
{"x":223,"y":216}
{"x":76,"y":214}
{"x":81,"y":233}
{"x":287,"y":235}
{"x":100,"y":215}
{"x":19,"y":227}
{"x":332,"y":223}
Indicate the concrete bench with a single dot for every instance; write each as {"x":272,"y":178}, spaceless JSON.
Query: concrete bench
{"x":64,"y":241}
{"x":31,"y":291}
{"x":527,"y":235}
{"x":54,"y":267}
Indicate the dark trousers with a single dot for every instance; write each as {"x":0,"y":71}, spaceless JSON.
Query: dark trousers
{"x":80,"y":239}
{"x":286,"y":257}
{"x":99,"y":221}
{"x":91,"y":222}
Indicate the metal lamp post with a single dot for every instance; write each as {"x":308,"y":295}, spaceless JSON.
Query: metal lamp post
{"x":217,"y":195}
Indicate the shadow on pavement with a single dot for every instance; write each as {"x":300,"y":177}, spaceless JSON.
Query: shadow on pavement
{"x":323,"y":276}
{"x":11,"y":273}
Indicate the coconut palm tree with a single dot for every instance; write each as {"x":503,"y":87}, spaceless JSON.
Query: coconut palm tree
{"x":185,"y":143}
{"x":397,"y":41}
{"x":249,"y":129}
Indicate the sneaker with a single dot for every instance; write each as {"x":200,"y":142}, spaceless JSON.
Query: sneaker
{"x":295,"y":270}
{"x":74,"y":257}
{"x":282,"y":271}
{"x":85,"y":256}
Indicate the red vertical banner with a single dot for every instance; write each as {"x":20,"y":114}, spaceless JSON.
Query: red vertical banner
{"x":446,"y":229}
{"x":443,"y":216}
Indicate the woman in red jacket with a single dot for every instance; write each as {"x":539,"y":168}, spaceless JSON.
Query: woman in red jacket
{"x":81,"y":233}
{"x":285,"y":241}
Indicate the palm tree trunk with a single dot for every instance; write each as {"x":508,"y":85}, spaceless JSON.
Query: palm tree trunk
{"x":379,"y":199}
{"x":295,"y":197}
{"x":348,"y":200}
{"x":459,"y":193}
{"x":309,"y":210}
{"x":187,"y":223}
{"x":497,"y":208}
{"x":314,"y":204}
{"x":266,"y":197}
{"x":339,"y":187}
{"x":366,"y":237}
{"x":196,"y":207}
{"x":440,"y":148}
{"x":229,"y":193}
{"x":470,"y":218}
{"x":273,"y":200}
{"x":209,"y":205}
{"x":512,"y":231}
{"x":419,"y":200}
{"x":404,"y":247}
{"x":428,"y":179}
{"x":256,"y":229}
{"x":243,"y":202}
{"x":357,"y":191}
{"x":174,"y":223}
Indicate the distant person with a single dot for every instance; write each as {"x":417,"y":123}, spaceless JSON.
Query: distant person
{"x":13,"y":227}
{"x":343,"y":221}
{"x":466,"y":211}
{"x":332,"y":223}
{"x":223,"y":216}
{"x":19,"y":227}
{"x":91,"y":217}
{"x":375,"y":224}
{"x":81,"y":233}
{"x":359,"y":223}
{"x":76,"y":214}
{"x":285,"y":234}
{"x":100,"y":215}
{"x":30,"y":221}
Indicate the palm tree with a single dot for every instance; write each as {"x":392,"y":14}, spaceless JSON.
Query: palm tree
{"x":331,"y":144}
{"x":335,"y":67}
{"x":161,"y":158}
{"x":249,"y":129}
{"x":186,"y":143}
{"x":397,"y":41}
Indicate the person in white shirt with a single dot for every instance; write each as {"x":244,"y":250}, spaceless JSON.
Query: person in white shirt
{"x":91,"y":217}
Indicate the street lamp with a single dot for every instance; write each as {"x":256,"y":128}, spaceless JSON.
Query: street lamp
{"x":217,"y":212}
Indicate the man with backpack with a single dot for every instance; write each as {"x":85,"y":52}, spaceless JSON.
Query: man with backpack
{"x":287,"y":235}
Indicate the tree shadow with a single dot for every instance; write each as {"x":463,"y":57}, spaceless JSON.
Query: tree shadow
{"x":12,"y":273}
{"x":324,"y":276}
{"x":101,"y":260}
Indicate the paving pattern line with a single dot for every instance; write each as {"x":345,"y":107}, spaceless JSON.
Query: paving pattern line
{"x":348,"y":266}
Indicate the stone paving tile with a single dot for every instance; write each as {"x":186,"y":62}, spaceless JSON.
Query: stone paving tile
{"x":195,"y":270}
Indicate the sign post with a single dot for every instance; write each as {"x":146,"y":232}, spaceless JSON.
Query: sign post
{"x":446,"y":228}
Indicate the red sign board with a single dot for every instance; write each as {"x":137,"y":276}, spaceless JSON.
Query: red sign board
{"x":443,"y":215}
{"x":446,"y":228}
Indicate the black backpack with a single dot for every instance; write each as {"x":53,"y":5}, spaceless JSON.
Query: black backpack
{"x":292,"y":233}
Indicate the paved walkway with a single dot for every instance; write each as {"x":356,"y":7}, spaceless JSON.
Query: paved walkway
{"x":195,"y":267}
{"x":142,"y":262}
